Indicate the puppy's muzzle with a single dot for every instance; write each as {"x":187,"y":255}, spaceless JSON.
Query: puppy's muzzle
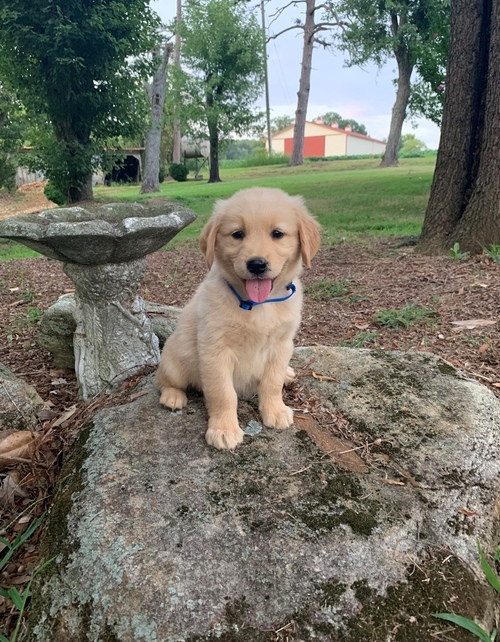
{"x":257,"y":266}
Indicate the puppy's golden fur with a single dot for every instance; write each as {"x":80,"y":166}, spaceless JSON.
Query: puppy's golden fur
{"x":256,"y":239}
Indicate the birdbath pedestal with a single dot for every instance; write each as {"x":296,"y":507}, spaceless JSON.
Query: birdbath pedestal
{"x":103,"y":249}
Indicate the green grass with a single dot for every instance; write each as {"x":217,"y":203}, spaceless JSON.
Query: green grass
{"x":351,"y":199}
{"x":10,"y":251}
{"x":407,"y":317}
{"x":327,"y":290}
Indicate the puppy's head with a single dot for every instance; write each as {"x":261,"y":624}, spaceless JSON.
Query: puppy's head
{"x":260,"y":237}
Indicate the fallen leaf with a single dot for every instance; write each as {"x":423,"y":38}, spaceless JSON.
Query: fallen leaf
{"x":484,"y":347}
{"x":468,"y":513}
{"x":341,"y":451}
{"x":64,"y":417}
{"x":136,"y":395}
{"x":13,"y":289}
{"x":362,"y":326}
{"x":17,"y":443}
{"x":322,"y":377}
{"x":470,"y":324}
{"x":10,"y":488}
{"x":392,"y":482}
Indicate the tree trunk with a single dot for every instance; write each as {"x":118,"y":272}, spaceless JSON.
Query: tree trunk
{"x":465,"y":195}
{"x":213,"y":133}
{"x":299,"y":128}
{"x":176,"y":129}
{"x":82,"y":192}
{"x":405,"y":67}
{"x":156,"y":92}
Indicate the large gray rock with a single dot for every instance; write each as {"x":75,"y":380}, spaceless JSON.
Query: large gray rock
{"x":19,"y":402}
{"x":158,"y":537}
{"x":58,"y":325}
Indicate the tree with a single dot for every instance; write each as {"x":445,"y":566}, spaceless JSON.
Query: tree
{"x":312,"y":28}
{"x":68,"y":61}
{"x":410,"y":144}
{"x":333,"y":117}
{"x":225,"y":71}
{"x":156,"y":91}
{"x":464,"y":202}
{"x":176,"y":126}
{"x":12,"y":127}
{"x":407,"y":30}
{"x":280,"y":122}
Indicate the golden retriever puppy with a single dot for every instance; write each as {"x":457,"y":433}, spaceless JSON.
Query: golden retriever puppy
{"x":235,"y":337}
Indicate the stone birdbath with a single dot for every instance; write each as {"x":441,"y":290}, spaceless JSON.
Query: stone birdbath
{"x":103,"y":249}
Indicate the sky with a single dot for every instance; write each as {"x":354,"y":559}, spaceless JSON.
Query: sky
{"x":366,"y":95}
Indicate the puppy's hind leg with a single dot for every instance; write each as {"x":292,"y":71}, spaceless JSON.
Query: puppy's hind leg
{"x":172,"y":380}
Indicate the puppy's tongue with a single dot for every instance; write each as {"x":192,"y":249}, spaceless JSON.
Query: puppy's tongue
{"x":258,"y":289}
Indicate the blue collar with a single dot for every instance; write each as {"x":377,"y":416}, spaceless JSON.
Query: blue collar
{"x":249,"y":304}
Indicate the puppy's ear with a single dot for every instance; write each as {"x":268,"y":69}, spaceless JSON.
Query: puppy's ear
{"x":309,"y":232}
{"x":208,"y":238}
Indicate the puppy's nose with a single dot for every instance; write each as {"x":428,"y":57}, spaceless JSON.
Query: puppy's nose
{"x":257,"y":266}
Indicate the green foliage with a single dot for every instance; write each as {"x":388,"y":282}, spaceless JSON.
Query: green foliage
{"x":70,"y":64}
{"x":280,"y":122}
{"x":456,"y":254}
{"x":359,"y":340}
{"x":465,"y":622}
{"x":241,"y":149}
{"x":261,"y":158}
{"x":12,"y":126}
{"x":19,"y":599}
{"x":419,"y":29}
{"x":332,"y":116}
{"x":315,"y":159}
{"x":7,"y":173}
{"x":493,"y":252}
{"x":224,"y":72}
{"x":408,"y":316}
{"x":409,"y":143}
{"x":54,"y":194}
{"x":178,"y":171}
{"x":327,"y":290}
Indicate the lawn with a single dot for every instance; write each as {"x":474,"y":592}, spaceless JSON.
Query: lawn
{"x":351,"y":199}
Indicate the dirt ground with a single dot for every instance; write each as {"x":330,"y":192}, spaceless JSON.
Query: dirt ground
{"x":354,"y":294}
{"x":27,"y":199}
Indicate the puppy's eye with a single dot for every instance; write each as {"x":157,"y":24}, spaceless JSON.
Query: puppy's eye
{"x":277,"y":234}
{"x":239,"y":234}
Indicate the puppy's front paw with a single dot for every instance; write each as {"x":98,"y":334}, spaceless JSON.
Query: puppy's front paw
{"x":223,"y":437}
{"x":278,"y":416}
{"x":173,"y":398}
{"x":290,"y":375}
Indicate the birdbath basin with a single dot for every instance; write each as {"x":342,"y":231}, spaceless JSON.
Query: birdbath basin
{"x":103,"y":249}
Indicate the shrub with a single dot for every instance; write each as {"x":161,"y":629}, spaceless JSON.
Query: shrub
{"x":178,"y":172}
{"x":161,"y":175}
{"x":54,"y":193}
{"x":7,"y":173}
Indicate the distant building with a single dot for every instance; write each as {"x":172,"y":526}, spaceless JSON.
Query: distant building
{"x":326,"y":140}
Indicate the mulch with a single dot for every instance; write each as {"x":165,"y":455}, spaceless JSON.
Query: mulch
{"x":348,"y":288}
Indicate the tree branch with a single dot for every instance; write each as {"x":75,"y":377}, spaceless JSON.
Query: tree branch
{"x":276,"y":35}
